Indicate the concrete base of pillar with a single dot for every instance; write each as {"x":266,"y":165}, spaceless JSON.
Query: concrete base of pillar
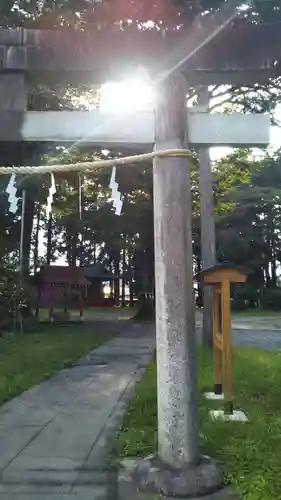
{"x":149,"y":475}
{"x":236,"y":416}
{"x":213,"y":396}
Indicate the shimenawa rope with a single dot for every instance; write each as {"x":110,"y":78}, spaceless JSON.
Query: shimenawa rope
{"x":90,"y":165}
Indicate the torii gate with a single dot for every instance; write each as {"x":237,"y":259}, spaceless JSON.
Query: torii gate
{"x":178,"y":469}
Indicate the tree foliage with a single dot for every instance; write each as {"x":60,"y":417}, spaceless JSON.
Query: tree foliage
{"x":247,"y":192}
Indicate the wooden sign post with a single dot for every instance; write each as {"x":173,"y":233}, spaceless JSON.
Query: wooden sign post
{"x":220,"y":278}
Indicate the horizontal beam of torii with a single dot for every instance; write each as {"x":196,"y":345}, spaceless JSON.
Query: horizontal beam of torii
{"x":239,"y":53}
{"x":201,"y":33}
{"x":131,"y":129}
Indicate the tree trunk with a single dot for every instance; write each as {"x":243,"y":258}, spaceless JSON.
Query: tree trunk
{"x":95,"y":253}
{"x":273,"y":258}
{"x":267,"y":274}
{"x":49,"y":240}
{"x":274,"y":270}
{"x":73,"y":256}
{"x":199,"y":298}
{"x":123,"y":291}
{"x":28,"y":227}
{"x":36,"y":239}
{"x":131,"y":294}
{"x":117,"y":281}
{"x":132,"y":276}
{"x":112,"y":290}
{"x":271,"y":243}
{"x":80,"y":241}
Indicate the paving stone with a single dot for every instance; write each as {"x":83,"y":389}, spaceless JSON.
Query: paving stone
{"x":13,"y":439}
{"x":104,"y":492}
{"x":84,"y":495}
{"x":44,"y":477}
{"x":34,"y":489}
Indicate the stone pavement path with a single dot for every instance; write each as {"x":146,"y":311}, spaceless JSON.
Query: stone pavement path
{"x":263,"y":339}
{"x":53,"y":437}
{"x":263,"y":332}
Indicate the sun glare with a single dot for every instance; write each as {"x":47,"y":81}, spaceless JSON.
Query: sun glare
{"x":127,"y":95}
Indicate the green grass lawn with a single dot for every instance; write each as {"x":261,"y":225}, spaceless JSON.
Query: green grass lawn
{"x":27,"y":359}
{"x":250,"y":453}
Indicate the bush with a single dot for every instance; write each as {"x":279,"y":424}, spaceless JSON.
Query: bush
{"x":13,"y":301}
{"x":271,"y":299}
{"x":239,"y":301}
{"x":245,"y":297}
{"x":146,"y":308}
